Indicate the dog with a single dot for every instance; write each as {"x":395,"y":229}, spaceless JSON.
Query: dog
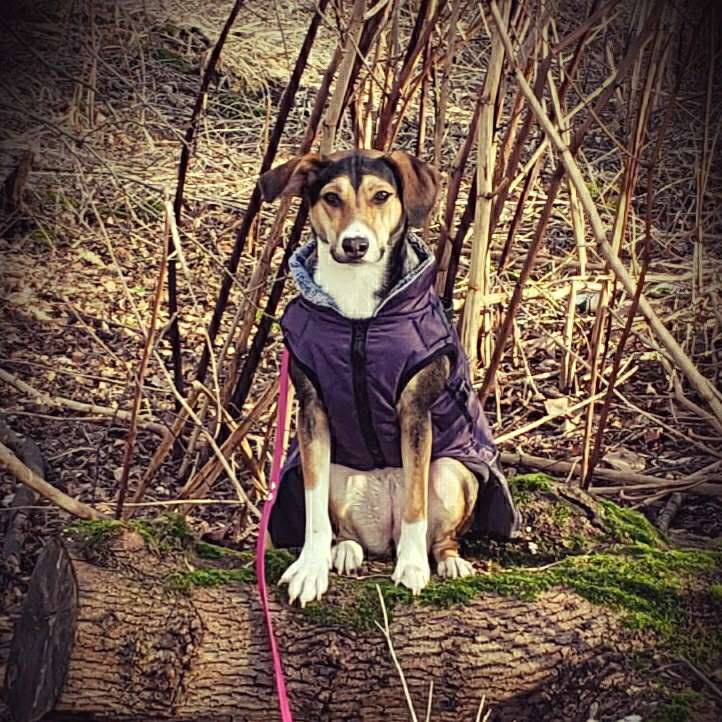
{"x":392,"y":448}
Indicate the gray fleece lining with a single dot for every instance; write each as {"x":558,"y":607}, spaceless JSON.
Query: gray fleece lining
{"x":303,"y":267}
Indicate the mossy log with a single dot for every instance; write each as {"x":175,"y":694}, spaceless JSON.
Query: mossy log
{"x":119,"y":625}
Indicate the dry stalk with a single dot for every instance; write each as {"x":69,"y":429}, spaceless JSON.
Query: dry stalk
{"x":480,"y":711}
{"x":506,"y":147}
{"x":521,"y":430}
{"x":186,"y":150}
{"x":164,"y":448}
{"x":685,"y":364}
{"x":619,"y":228}
{"x":212,"y":442}
{"x":448,"y":63}
{"x":633,"y":49}
{"x":454,"y":248}
{"x":254,"y":204}
{"x":335,"y":108}
{"x":446,"y":254}
{"x":139,"y":377}
{"x":474,"y":319}
{"x":598,"y":441}
{"x":566,"y":370}
{"x":258,"y":345}
{"x":521,"y":139}
{"x":263,"y":265}
{"x":422,"y":117}
{"x":203,"y":479}
{"x":629,"y":480}
{"x":387,"y":128}
{"x":703,"y":171}
{"x":532,"y":173}
{"x":575,"y":210}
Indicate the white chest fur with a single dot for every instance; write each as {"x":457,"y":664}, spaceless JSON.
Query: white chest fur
{"x":353,"y":286}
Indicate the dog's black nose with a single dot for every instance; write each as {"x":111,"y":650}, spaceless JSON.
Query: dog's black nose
{"x":355,"y":247}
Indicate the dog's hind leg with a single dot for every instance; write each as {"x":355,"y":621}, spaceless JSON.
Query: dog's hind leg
{"x":452,"y":495}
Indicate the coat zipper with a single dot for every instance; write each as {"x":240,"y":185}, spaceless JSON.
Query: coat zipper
{"x":359,"y":332}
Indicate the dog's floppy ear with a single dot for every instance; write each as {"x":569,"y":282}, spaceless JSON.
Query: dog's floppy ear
{"x":290,"y":178}
{"x":420,"y":185}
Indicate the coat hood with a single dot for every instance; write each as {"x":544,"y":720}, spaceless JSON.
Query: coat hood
{"x":415,"y":283}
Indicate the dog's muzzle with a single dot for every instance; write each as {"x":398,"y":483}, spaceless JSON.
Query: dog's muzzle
{"x":355,"y":247}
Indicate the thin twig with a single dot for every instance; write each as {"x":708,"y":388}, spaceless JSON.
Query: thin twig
{"x":386,"y":631}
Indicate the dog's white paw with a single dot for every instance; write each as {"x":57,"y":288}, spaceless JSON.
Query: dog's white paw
{"x":414,"y":573}
{"x":347,"y":556}
{"x":454,"y":567}
{"x":307,"y":577}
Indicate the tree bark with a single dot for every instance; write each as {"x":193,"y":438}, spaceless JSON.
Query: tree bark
{"x":99,"y":641}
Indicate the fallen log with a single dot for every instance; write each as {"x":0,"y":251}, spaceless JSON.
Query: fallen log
{"x":115,"y":627}
{"x":126,"y":650}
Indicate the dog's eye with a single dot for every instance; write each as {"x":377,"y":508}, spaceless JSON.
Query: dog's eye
{"x":381,"y":196}
{"x":333,"y":199}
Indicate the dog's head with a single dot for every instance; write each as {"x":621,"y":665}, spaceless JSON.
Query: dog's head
{"x":360,"y":201}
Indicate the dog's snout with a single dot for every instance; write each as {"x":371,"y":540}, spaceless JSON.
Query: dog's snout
{"x":355,"y":247}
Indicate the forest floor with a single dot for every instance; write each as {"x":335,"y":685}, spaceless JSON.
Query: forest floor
{"x":101,"y":93}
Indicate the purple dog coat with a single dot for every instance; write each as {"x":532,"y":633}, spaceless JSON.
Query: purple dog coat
{"x":359,"y":368}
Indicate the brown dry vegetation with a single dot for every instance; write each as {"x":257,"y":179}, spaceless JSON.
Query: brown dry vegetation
{"x":100,"y":93}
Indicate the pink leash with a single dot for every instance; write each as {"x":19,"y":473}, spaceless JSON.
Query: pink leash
{"x":278,"y":450}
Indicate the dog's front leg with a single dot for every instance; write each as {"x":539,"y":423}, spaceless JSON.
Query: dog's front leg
{"x":307,"y":577}
{"x":412,"y":565}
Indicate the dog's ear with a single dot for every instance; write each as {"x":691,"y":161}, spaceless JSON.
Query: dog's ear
{"x":290,"y":178}
{"x":420,"y":185}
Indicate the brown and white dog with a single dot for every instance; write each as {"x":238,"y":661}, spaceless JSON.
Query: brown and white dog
{"x":361,"y":204}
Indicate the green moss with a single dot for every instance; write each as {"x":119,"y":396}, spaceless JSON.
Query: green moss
{"x":210,"y":551}
{"x":679,"y":707}
{"x":363,"y":611}
{"x":577,"y":543}
{"x":525,"y":487}
{"x":277,"y":561}
{"x":184,"y":581}
{"x":561,"y":512}
{"x":531,"y":482}
{"x":509,"y":582}
{"x":164,"y":533}
{"x":627,"y":525}
{"x":95,"y":533}
{"x":648,"y":587}
{"x":652,"y":587}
